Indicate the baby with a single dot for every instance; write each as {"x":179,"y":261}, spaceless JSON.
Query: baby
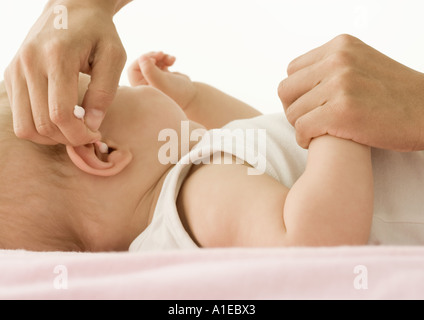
{"x":57,"y":198}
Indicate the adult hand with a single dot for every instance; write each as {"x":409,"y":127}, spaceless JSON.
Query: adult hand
{"x":349,"y":90}
{"x":42,"y":79}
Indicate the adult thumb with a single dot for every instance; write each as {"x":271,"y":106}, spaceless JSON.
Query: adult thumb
{"x":105,"y":76}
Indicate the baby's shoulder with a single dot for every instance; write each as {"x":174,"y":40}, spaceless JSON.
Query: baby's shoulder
{"x":221,"y":205}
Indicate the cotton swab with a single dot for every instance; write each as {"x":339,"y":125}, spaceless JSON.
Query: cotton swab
{"x":103,"y":147}
{"x":79,"y":113}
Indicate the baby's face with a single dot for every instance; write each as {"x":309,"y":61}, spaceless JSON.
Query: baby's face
{"x":133,"y":122}
{"x":137,"y":116}
{"x":116,"y":212}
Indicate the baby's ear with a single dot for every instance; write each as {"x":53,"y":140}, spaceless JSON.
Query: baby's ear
{"x":89,"y":159}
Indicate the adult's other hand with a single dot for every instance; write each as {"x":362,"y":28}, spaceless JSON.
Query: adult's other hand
{"x":42,"y":79}
{"x":349,"y":90}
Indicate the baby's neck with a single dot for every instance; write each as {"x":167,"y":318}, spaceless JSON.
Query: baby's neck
{"x":148,"y":203}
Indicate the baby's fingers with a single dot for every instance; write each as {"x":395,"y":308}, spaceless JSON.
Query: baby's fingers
{"x":163,"y":60}
{"x":146,"y":69}
{"x":169,"y":60}
{"x":135,"y":76}
{"x":154,"y":75}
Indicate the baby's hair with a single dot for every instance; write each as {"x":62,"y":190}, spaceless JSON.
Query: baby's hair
{"x":25,"y":169}
{"x":9,"y":143}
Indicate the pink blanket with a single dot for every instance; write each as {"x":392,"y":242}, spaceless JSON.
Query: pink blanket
{"x":325,"y":273}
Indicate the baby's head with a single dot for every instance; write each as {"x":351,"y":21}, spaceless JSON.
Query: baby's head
{"x":57,"y":198}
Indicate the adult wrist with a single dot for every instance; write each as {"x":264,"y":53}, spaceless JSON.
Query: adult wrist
{"x":109,"y":6}
{"x":120,"y":4}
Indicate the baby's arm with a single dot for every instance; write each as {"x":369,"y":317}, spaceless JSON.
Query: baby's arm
{"x":214,"y":108}
{"x":201,"y":103}
{"x":332,"y":202}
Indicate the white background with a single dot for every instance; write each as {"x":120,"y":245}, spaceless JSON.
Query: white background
{"x":243,"y":46}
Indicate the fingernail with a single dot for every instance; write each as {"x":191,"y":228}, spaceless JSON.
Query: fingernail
{"x":94,"y":118}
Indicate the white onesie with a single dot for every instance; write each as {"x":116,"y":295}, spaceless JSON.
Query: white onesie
{"x":398,"y":183}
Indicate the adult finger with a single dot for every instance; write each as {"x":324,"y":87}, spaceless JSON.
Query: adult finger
{"x":106,"y":72}
{"x":299,"y":83}
{"x":39,"y":101}
{"x":23,"y":123}
{"x":63,"y":96}
{"x":341,"y":42}
{"x":314,"y":98}
{"x":307,"y":59}
{"x":8,"y":85}
{"x":313,"y":124}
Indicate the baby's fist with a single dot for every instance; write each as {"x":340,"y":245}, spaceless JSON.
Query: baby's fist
{"x":147,"y":68}
{"x":152,"y":69}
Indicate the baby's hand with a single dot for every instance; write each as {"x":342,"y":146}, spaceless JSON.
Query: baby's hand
{"x":152,"y":69}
